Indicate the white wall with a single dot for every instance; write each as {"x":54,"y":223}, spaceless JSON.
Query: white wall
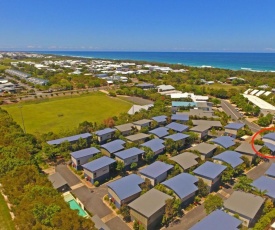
{"x":98,"y":173}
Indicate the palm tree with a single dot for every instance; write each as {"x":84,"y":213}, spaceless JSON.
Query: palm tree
{"x":259,"y":192}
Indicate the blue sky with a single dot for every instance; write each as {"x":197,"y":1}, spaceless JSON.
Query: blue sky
{"x":143,"y":25}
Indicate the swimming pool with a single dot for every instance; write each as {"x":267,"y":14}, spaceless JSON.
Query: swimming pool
{"x":68,"y":197}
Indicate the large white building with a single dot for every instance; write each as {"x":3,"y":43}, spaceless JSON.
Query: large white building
{"x":263,"y":105}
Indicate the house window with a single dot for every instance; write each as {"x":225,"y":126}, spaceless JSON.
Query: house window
{"x":78,"y":162}
{"x":95,"y":174}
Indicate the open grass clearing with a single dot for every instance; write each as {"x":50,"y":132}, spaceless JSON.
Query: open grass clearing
{"x":65,"y":113}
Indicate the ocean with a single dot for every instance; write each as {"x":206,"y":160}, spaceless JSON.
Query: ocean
{"x":258,"y":62}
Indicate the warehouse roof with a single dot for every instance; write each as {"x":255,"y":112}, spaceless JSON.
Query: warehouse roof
{"x":85,"y":152}
{"x":98,"y":163}
{"x":209,"y":170}
{"x":69,"y":139}
{"x":156,"y":169}
{"x":125,"y":154}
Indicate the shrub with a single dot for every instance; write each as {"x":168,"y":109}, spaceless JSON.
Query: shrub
{"x":96,"y":184}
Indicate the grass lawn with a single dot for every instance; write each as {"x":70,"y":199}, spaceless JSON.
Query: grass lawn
{"x":225,"y":86}
{"x":65,"y":113}
{"x":6,"y":222}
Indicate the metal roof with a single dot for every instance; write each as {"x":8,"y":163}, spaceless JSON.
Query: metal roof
{"x":57,"y":180}
{"x":142,"y":122}
{"x":230,"y":157}
{"x":160,"y":118}
{"x":177,"y":136}
{"x":150,"y":202}
{"x":180,"y":117}
{"x":124,"y":127}
{"x":186,"y":160}
{"x":206,"y":122}
{"x":98,"y":163}
{"x":137,"y":137}
{"x":245,"y":204}
{"x":209,"y":170}
{"x":265,"y":183}
{"x":259,"y":102}
{"x":204,"y":148}
{"x":218,"y":220}
{"x":125,"y":154}
{"x":160,"y":132}
{"x":114,"y":146}
{"x":270,"y":146}
{"x":156,"y":169}
{"x":271,"y":171}
{"x":177,"y":127}
{"x":270,"y":136}
{"x":155,"y":144}
{"x":69,"y":139}
{"x":247,"y":148}
{"x":85,"y":152}
{"x":184,"y":104}
{"x":224,"y":141}
{"x":104,"y":131}
{"x":126,"y":186}
{"x":182,"y":184}
{"x":235,"y":126}
{"x":200,"y":128}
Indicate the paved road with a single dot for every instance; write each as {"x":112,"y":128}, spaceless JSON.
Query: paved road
{"x":236,"y":115}
{"x":67,"y":175}
{"x":259,"y":170}
{"x":117,"y":224}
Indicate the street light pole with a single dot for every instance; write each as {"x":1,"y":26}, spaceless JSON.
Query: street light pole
{"x":24,"y":129}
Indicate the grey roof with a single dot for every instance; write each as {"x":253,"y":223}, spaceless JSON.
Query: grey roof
{"x":204,"y":148}
{"x":156,"y":169}
{"x":98,"y":163}
{"x":177,"y":136}
{"x":177,"y":127}
{"x":234,"y":126}
{"x":271,"y":171}
{"x":230,"y":157}
{"x":99,"y":224}
{"x":186,"y":160}
{"x":183,"y":184}
{"x":125,"y":154}
{"x":137,"y":137}
{"x":142,"y":122}
{"x":243,"y":203}
{"x":57,"y":180}
{"x":126,"y":186}
{"x":85,"y":152}
{"x":265,"y":183}
{"x":209,"y":170}
{"x":104,"y":131}
{"x":218,"y":220}
{"x":224,"y":141}
{"x":124,"y":127}
{"x":154,"y":144}
{"x":160,"y":132}
{"x":160,"y":118}
{"x":114,"y":146}
{"x":247,"y":148}
{"x":200,"y":128}
{"x":69,"y":139}
{"x":150,"y":202}
{"x":206,"y":122}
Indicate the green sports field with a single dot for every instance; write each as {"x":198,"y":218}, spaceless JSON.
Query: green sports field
{"x":5,"y":218}
{"x":65,"y":113}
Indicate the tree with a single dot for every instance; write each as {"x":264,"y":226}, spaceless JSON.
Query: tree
{"x":203,"y":188}
{"x":227,"y":174}
{"x":244,"y":184}
{"x":125,"y":212}
{"x":133,"y":166}
{"x":246,"y":161}
{"x":146,"y":186}
{"x":148,"y":154}
{"x":212,"y":202}
{"x":268,"y":206}
{"x":120,"y":166}
{"x":172,"y":209}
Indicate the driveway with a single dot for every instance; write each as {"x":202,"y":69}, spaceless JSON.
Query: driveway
{"x":117,"y":224}
{"x":68,"y":175}
{"x":93,"y":200}
{"x":259,"y":170}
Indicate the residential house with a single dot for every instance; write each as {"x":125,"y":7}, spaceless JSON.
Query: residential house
{"x":179,"y":138}
{"x":229,"y":157}
{"x":184,"y":186}
{"x":211,"y":174}
{"x":271,"y":171}
{"x":149,"y":208}
{"x":177,"y":127}
{"x":224,"y":141}
{"x":201,"y":130}
{"x":145,"y":86}
{"x":232,"y":129}
{"x":206,"y":150}
{"x":182,"y":118}
{"x":269,"y":140}
{"x":98,"y":170}
{"x":125,"y":129}
{"x":246,"y":205}
{"x":159,"y":132}
{"x":212,"y":124}
{"x":165,"y":88}
{"x":125,"y":190}
{"x":186,"y":160}
{"x":138,"y":138}
{"x":111,"y":147}
{"x":129,"y":156}
{"x":156,"y":145}
{"x":104,"y":135}
{"x":265,"y":183}
{"x":161,"y":120}
{"x":82,"y":156}
{"x":58,"y":182}
{"x":246,"y":150}
{"x":156,"y":172}
{"x":71,"y":139}
{"x":142,"y":124}
{"x":218,"y":220}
